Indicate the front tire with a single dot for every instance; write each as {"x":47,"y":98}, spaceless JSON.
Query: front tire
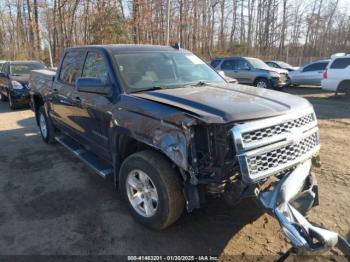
{"x":2,"y":97}
{"x":12,"y":102}
{"x":262,"y":83}
{"x":47,"y":130}
{"x":152,"y":189}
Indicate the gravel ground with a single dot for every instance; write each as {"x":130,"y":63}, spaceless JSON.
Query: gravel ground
{"x":50,"y":203}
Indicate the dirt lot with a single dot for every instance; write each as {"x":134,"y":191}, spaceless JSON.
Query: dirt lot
{"x":50,"y":203}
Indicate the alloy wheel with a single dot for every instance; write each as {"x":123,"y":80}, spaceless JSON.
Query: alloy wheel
{"x":261,"y":84}
{"x":142,"y":193}
{"x":43,"y":126}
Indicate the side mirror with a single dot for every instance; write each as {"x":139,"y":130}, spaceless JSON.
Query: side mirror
{"x":247,"y":68}
{"x":2,"y":74}
{"x":94,"y":85}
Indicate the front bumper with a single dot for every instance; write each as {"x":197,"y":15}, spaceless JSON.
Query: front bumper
{"x":282,"y":199}
{"x":277,"y":82}
{"x":21,"y":96}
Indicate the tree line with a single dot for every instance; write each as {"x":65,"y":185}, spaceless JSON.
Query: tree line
{"x":277,"y":29}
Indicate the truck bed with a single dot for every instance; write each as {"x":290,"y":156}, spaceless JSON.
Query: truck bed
{"x":41,"y":80}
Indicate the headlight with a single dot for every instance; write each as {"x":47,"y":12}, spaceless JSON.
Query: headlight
{"x":16,"y":85}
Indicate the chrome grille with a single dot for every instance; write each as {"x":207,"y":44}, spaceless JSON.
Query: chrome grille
{"x":283,"y":78}
{"x":281,"y":156}
{"x":270,"y":146}
{"x":277,"y":129}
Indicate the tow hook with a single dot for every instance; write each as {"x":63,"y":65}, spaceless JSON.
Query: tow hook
{"x":303,"y":235}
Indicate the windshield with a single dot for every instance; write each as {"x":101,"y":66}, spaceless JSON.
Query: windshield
{"x":258,"y":64}
{"x":283,"y":64}
{"x":25,"y":68}
{"x":145,"y":70}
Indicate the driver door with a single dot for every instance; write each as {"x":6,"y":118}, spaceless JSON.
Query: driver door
{"x":91,"y":111}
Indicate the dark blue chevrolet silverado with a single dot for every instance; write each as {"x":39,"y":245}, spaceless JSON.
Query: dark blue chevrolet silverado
{"x":172,"y":131}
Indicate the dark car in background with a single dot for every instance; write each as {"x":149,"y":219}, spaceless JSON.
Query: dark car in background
{"x":251,"y":71}
{"x":281,"y":65}
{"x":1,"y":64}
{"x":14,"y":79}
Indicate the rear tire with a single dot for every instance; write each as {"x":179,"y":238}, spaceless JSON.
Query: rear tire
{"x":149,"y":182}
{"x":47,"y":130}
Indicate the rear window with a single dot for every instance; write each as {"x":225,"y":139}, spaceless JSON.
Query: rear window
{"x":228,"y":64}
{"x":215,"y":63}
{"x":71,"y":67}
{"x":340,"y":63}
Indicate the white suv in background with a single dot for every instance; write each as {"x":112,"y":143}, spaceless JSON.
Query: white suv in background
{"x":336,"y":77}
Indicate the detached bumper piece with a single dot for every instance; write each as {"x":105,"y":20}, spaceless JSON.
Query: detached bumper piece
{"x":293,"y":186}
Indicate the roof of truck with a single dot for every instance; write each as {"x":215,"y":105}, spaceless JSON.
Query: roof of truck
{"x":130,"y":47}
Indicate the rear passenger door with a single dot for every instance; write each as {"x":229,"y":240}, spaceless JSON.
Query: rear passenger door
{"x":229,"y":67}
{"x":63,"y":102}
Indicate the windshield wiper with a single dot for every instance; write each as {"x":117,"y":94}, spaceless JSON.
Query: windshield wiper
{"x":153,"y":88}
{"x":201,"y":83}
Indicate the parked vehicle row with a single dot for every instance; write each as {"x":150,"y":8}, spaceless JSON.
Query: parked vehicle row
{"x":331,"y":74}
{"x":14,"y":79}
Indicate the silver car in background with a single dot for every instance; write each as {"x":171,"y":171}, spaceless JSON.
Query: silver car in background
{"x":251,"y":71}
{"x":310,"y":74}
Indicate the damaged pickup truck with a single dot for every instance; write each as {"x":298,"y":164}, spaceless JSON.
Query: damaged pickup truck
{"x":171,"y":131}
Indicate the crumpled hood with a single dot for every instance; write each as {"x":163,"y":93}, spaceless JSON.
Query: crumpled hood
{"x":279,"y":70}
{"x":225,"y":104}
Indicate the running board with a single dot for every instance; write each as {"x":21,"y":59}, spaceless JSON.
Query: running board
{"x":97,"y":164}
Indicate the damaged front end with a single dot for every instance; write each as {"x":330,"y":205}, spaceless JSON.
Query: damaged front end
{"x":287,"y":202}
{"x":270,"y":159}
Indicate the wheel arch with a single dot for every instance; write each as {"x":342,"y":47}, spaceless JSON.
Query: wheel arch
{"x":37,"y":101}
{"x":125,"y":144}
{"x":343,"y":86}
{"x":260,"y":77}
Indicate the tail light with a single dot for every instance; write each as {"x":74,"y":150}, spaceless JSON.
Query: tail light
{"x":325,"y":74}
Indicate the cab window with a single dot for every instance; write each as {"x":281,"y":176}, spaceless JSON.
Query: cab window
{"x":71,"y":67}
{"x":96,"y":67}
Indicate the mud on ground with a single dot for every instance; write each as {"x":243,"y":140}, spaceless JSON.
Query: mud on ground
{"x":50,"y":203}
